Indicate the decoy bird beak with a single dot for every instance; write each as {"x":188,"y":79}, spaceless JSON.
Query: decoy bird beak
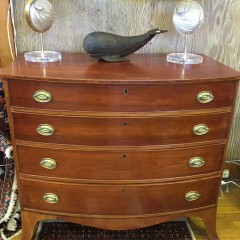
{"x":161,"y":31}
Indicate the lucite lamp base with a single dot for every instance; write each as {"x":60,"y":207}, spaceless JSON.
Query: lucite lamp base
{"x":46,"y":56}
{"x":181,"y":58}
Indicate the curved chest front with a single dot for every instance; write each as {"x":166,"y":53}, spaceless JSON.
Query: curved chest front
{"x":143,"y":146}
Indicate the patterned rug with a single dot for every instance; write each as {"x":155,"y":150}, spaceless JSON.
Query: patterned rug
{"x":175,"y":230}
{"x":7,"y":187}
{"x":12,"y":227}
{"x":9,"y":206}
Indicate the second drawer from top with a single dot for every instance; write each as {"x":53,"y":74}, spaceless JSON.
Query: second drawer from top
{"x":121,"y":131}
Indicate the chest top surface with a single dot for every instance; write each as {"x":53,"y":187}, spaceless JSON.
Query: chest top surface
{"x":142,"y":68}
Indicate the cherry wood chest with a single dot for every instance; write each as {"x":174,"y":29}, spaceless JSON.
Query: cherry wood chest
{"x":119,"y":145}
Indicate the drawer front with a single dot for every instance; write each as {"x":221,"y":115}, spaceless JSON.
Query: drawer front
{"x":119,"y":98}
{"x":99,"y":199}
{"x":119,"y":131}
{"x":120,"y":165}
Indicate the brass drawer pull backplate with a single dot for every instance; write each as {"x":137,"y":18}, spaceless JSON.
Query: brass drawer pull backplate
{"x":42,"y":96}
{"x":192,"y":196}
{"x":196,"y":162}
{"x":200,"y":129}
{"x":45,"y":130}
{"x":205,"y":97}
{"x":48,"y":163}
{"x":51,"y":198}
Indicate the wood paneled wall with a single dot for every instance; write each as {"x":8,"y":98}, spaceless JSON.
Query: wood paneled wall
{"x":219,"y":36}
{"x":5,"y":56}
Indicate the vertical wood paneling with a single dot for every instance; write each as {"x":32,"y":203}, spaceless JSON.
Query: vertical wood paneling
{"x":234,"y":141}
{"x":218,"y":37}
{"x":5,"y":55}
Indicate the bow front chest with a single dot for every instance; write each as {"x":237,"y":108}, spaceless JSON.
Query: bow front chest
{"x":119,"y":145}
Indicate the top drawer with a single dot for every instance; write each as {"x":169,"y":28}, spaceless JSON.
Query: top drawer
{"x":120,"y":98}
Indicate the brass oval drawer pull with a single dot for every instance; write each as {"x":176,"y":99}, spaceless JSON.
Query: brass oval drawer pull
{"x":200,"y":129}
{"x":48,"y":163}
{"x":192,"y":196}
{"x":42,"y":96}
{"x":45,"y":130}
{"x":196,"y":162}
{"x":205,"y":97}
{"x":51,"y":198}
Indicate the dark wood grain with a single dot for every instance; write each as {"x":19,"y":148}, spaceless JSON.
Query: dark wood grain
{"x":91,"y":199}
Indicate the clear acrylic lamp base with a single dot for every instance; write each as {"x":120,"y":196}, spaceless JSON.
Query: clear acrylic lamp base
{"x":182,"y":58}
{"x":39,"y":56}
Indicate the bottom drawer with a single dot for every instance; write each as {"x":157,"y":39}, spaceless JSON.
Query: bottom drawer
{"x":134,"y":199}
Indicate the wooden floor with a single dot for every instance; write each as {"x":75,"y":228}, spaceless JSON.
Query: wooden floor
{"x":228,"y":218}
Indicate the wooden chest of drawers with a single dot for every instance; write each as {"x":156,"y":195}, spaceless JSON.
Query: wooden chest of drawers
{"x":119,"y":145}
